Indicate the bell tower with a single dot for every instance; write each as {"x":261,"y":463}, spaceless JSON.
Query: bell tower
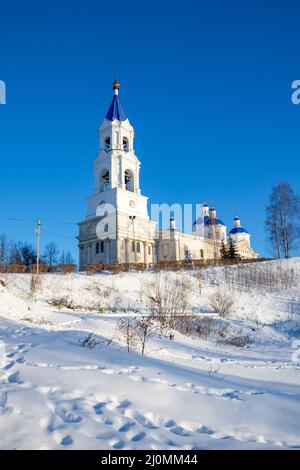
{"x":117,"y":185}
{"x":117,"y":166}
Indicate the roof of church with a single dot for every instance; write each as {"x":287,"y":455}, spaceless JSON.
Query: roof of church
{"x":238,"y":230}
{"x":115,"y":110}
{"x":213,"y":221}
{"x":207,"y":220}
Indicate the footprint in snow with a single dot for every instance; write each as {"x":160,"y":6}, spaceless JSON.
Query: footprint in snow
{"x":124,"y":404}
{"x":179,"y":431}
{"x":204,"y":430}
{"x":20,"y":360}
{"x":10,"y":355}
{"x":9,"y":365}
{"x":66,"y":441}
{"x":138,"y":437}
{"x":68,"y":417}
{"x":234,"y":395}
{"x":118,"y":445}
{"x":15,"y":379}
{"x":169,"y":423}
{"x":99,"y":407}
{"x":126,"y":426}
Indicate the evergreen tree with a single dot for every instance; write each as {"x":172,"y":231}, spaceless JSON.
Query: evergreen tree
{"x":223,"y":251}
{"x":232,"y":252}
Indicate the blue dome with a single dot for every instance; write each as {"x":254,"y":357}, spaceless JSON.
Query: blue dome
{"x":115,"y":110}
{"x":207,"y":220}
{"x":213,"y":221}
{"x":238,"y":230}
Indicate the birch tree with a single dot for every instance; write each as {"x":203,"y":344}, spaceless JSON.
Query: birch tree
{"x":283,"y":220}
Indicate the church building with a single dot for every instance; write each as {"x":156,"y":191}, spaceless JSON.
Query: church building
{"x":117,"y":228}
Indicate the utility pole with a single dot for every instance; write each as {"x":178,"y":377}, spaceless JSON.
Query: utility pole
{"x":38,"y":239}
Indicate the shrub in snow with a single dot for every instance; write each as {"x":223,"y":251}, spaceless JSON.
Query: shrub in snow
{"x":197,"y":327}
{"x":61,"y":302}
{"x":222,"y":303}
{"x":238,"y":341}
{"x":35,"y":283}
{"x":168,"y":298}
{"x":90,"y":341}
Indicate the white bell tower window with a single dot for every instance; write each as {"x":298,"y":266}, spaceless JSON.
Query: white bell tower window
{"x":107,"y":144}
{"x":125,"y":144}
{"x":129,"y":181}
{"x":104,"y":180}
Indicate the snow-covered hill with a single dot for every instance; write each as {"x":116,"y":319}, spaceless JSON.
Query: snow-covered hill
{"x":195,"y":391}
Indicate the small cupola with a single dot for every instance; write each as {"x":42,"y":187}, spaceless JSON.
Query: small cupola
{"x":237,"y":222}
{"x":212,"y":212}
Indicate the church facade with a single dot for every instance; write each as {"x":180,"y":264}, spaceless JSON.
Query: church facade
{"x":117,"y":228}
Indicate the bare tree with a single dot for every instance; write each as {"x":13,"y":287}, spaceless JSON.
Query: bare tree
{"x":66,"y":258}
{"x":4,"y":251}
{"x":137,"y":330}
{"x":15,"y":256}
{"x":126,"y":327}
{"x":145,"y":328}
{"x":283,"y":219}
{"x":51,"y":253}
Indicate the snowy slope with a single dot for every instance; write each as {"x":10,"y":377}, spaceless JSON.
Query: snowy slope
{"x":190,"y":393}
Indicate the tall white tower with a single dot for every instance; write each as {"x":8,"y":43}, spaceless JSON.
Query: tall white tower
{"x":125,"y":236}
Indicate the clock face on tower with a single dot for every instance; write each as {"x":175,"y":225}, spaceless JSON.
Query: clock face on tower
{"x":132,"y":203}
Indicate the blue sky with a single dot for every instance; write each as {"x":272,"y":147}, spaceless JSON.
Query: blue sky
{"x":206,"y":85}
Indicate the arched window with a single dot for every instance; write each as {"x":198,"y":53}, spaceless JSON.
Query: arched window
{"x":129,"y":180}
{"x":133,"y":246}
{"x":97,"y":248}
{"x":107,"y":144}
{"x":102,"y":247}
{"x":104,"y":180}
{"x":138,"y":247}
{"x":125,"y":144}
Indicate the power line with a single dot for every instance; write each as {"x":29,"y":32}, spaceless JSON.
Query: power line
{"x":15,"y":219}
{"x":57,"y":235}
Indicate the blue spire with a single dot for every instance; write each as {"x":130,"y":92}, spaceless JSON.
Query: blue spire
{"x":115,"y":110}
